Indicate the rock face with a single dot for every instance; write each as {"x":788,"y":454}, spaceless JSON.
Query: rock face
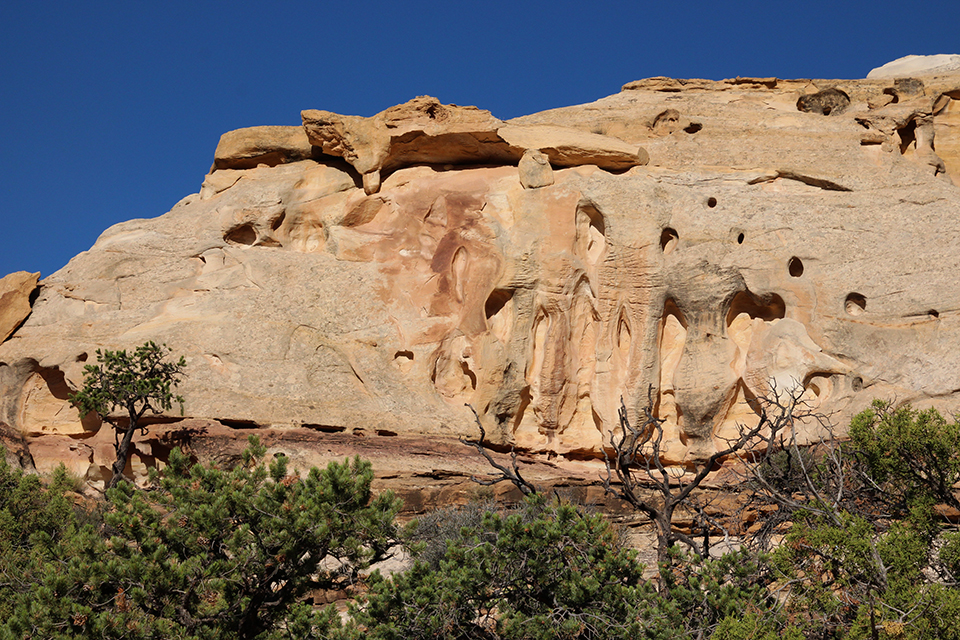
{"x":15,"y":292}
{"x":786,"y":236}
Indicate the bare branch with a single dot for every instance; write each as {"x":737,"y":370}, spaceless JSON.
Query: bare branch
{"x":511,"y":474}
{"x":638,"y":451}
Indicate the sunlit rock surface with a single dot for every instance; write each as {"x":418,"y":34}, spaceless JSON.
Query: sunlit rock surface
{"x":365,"y":280}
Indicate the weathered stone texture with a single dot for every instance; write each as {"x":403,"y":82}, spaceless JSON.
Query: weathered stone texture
{"x":423,"y":131}
{"x":786,"y":236}
{"x":253,"y":146}
{"x":15,"y":292}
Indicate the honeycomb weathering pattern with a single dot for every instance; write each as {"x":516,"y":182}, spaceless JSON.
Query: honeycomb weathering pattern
{"x":763,"y":250}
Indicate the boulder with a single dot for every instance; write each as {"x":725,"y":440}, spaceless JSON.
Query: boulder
{"x":15,"y":291}
{"x":535,"y":169}
{"x":268,"y":145}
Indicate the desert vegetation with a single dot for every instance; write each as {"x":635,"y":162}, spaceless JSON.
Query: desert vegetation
{"x":852,"y":539}
{"x":201,"y":553}
{"x":134,"y":383}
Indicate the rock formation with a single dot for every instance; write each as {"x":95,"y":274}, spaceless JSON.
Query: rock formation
{"x":423,"y":131}
{"x":15,"y":292}
{"x":362,"y":279}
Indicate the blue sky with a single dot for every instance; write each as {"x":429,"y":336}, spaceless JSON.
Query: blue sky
{"x":112,"y":110}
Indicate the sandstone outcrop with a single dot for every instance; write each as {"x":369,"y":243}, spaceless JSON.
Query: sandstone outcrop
{"x":253,"y":146}
{"x":786,"y":236}
{"x":15,"y":292}
{"x":910,"y":66}
{"x":423,"y":131}
{"x":16,"y":451}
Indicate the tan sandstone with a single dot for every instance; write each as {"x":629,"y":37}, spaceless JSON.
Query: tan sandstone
{"x":424,"y":131}
{"x":270,"y":145}
{"x":694,"y":244}
{"x":15,"y":292}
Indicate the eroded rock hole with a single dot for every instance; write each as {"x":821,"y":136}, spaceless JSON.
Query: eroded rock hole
{"x":470,"y":375}
{"x":498,"y":310}
{"x":238,"y":423}
{"x":496,"y":301}
{"x":820,"y":383}
{"x":740,"y":238}
{"x":767,"y":307}
{"x":795,"y":267}
{"x":711,"y":202}
{"x":666,"y":122}
{"x":56,"y":382}
{"x":623,"y":334}
{"x":933,"y":313}
{"x":670,"y":308}
{"x":591,"y":233}
{"x":693,"y":127}
{"x":403,"y":360}
{"x":245,"y":234}
{"x":908,"y":136}
{"x":855,"y":304}
{"x":325,"y":428}
{"x":857,"y":384}
{"x":458,"y":271}
{"x":668,"y":240}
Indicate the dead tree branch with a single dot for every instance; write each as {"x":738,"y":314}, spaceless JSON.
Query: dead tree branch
{"x":507,"y":474}
{"x":637,"y":462}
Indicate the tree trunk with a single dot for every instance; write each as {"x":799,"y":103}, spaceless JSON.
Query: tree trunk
{"x":123,"y":452}
{"x":663,"y":528}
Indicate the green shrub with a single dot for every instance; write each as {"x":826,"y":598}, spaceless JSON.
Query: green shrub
{"x":211,"y":554}
{"x":910,"y":455}
{"x":700,"y":593}
{"x":429,"y":536}
{"x":547,"y":570}
{"x":751,"y":625}
{"x":861,"y":568}
{"x":34,"y":519}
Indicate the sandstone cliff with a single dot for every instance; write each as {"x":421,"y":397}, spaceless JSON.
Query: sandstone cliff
{"x":356,"y":281}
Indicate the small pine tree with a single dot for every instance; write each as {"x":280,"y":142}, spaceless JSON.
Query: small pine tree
{"x":136,"y":383}
{"x":859,"y":565}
